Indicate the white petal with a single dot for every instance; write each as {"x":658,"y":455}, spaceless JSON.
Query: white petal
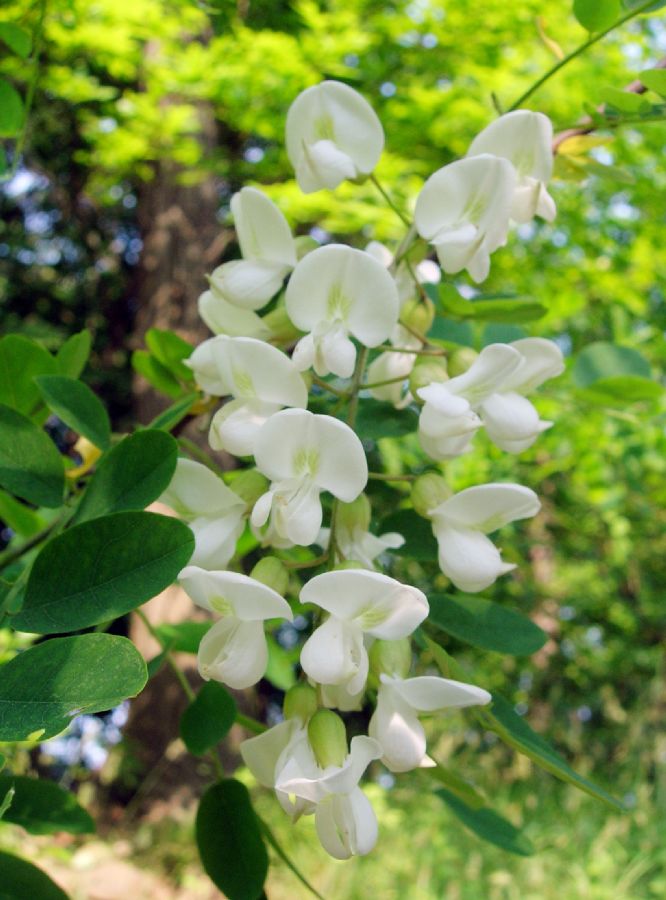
{"x":247,"y":598}
{"x":439,"y":448}
{"x":545,"y":207}
{"x":386,"y":367}
{"x":337,"y":283}
{"x":346,"y":825}
{"x":249,"y":283}
{"x":235,"y":427}
{"x":399,"y":732}
{"x":334,"y":653}
{"x":223,"y":317}
{"x":215,"y":539}
{"x":323,"y":165}
{"x":379,"y":605}
{"x":511,"y":421}
{"x":261,"y":229}
{"x":196,"y":491}
{"x":542,"y":359}
{"x":428,"y":693}
{"x":298,"y":515}
{"x":304,"y":354}
{"x":487,"y":507}
{"x":338,"y":354}
{"x":488,"y":373}
{"x":524,"y":138}
{"x":336,"y":696}
{"x":208,"y":361}
{"x":234,"y":653}
{"x":469,"y":558}
{"x":261,"y":753}
{"x":262,"y":371}
{"x":262,"y":509}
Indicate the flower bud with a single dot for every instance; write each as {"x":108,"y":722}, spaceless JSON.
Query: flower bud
{"x":304,"y":245}
{"x":300,"y":702}
{"x":418,"y":314}
{"x":249,"y":486}
{"x":392,"y":658}
{"x":348,"y":564}
{"x":428,"y":491}
{"x":281,"y":327}
{"x":425,"y":372}
{"x":328,"y":738}
{"x":271,"y":572}
{"x":460,"y":361}
{"x":355,"y":514}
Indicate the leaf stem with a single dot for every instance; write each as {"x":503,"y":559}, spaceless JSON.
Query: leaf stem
{"x":11,"y":555}
{"x":593,"y":39}
{"x":328,"y":387}
{"x":197,"y":453}
{"x":405,"y":221}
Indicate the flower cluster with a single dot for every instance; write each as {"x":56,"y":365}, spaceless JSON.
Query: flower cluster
{"x":272,"y":343}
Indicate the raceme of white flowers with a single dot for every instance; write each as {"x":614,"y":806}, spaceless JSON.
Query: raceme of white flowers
{"x":285,"y":316}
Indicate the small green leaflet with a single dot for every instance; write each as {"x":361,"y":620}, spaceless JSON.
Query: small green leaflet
{"x":20,"y":361}
{"x":30,"y":466}
{"x":488,"y":825}
{"x":11,"y":110}
{"x":73,"y":354}
{"x":16,"y":38}
{"x":207,"y":720}
{"x":20,"y":879}
{"x":77,"y":406}
{"x":43,"y":807}
{"x":597,"y":15}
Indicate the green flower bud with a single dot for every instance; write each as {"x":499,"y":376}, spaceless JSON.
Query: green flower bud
{"x":425,"y":372}
{"x":300,"y":702}
{"x":418,"y":314}
{"x":428,"y":491}
{"x":250,"y":485}
{"x":355,"y":514}
{"x":348,"y":564}
{"x":282,"y":328}
{"x":328,"y":738}
{"x":393,"y":658}
{"x":461,"y":360}
{"x":304,"y":245}
{"x":271,"y":572}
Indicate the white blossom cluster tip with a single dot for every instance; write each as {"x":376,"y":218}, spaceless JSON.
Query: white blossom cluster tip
{"x":286,"y":308}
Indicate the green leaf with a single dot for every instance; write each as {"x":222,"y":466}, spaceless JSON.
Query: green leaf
{"x":183,"y":637}
{"x":485,"y":624}
{"x":76,"y":405}
{"x":655,"y":80}
{"x":19,"y":517}
{"x":130,"y":476}
{"x":229,"y":840}
{"x":605,"y":360}
{"x":3,"y":762}
{"x":625,"y":101}
{"x":73,"y":354}
{"x":619,"y":390}
{"x":170,"y":350}
{"x":174,"y":414}
{"x":207,"y":720}
{"x":16,"y":38}
{"x":156,"y":374}
{"x":43,"y":807}
{"x":100,"y":570}
{"x":501,"y":334}
{"x":495,"y":308}
{"x":488,"y":825}
{"x":11,"y":110}
{"x":377,"y":420}
{"x":597,"y":15}
{"x":43,"y":687}
{"x":6,"y":801}
{"x":515,"y":732}
{"x":420,"y":542}
{"x":20,"y":361}
{"x":457,"y":785}
{"x":20,"y":879}
{"x":30,"y":465}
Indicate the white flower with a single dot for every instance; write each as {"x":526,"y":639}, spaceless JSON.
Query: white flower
{"x":463,"y":210}
{"x":360,"y":545}
{"x":426,"y":271}
{"x":333,"y":292}
{"x":395,"y":721}
{"x":213,"y":512}
{"x":304,"y":454}
{"x":359,"y":602}
{"x":525,"y":138}
{"x":388,"y":366}
{"x":461,"y":523}
{"x":489,"y":393}
{"x":345,"y":821}
{"x":332,"y":134}
{"x":268,"y":250}
{"x":260,"y":377}
{"x":234,"y":651}
{"x":223,"y":317}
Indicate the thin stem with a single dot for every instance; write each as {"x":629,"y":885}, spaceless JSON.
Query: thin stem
{"x":306,"y":564}
{"x":250,"y":723}
{"x":171,"y":662}
{"x":384,"y":476}
{"x":270,"y":837}
{"x":32,"y":86}
{"x":593,"y":39}
{"x":328,"y":387}
{"x":387,"y":348}
{"x":376,"y":384}
{"x":355,"y":387}
{"x":197,"y":453}
{"x":404,"y":247}
{"x":387,"y":197}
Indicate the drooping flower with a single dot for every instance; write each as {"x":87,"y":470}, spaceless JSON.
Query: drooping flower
{"x":525,"y":138}
{"x":389,"y":366}
{"x":332,"y":134}
{"x":460,"y":524}
{"x":259,"y":377}
{"x":267,"y":754}
{"x":234,"y":650}
{"x":489,"y":393}
{"x":304,"y":454}
{"x":268,"y":249}
{"x":395,"y":722}
{"x":224,"y":317}
{"x":213,"y":512}
{"x":358,"y":602}
{"x":463,"y":210}
{"x":353,"y":539}
{"x":333,"y":292}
